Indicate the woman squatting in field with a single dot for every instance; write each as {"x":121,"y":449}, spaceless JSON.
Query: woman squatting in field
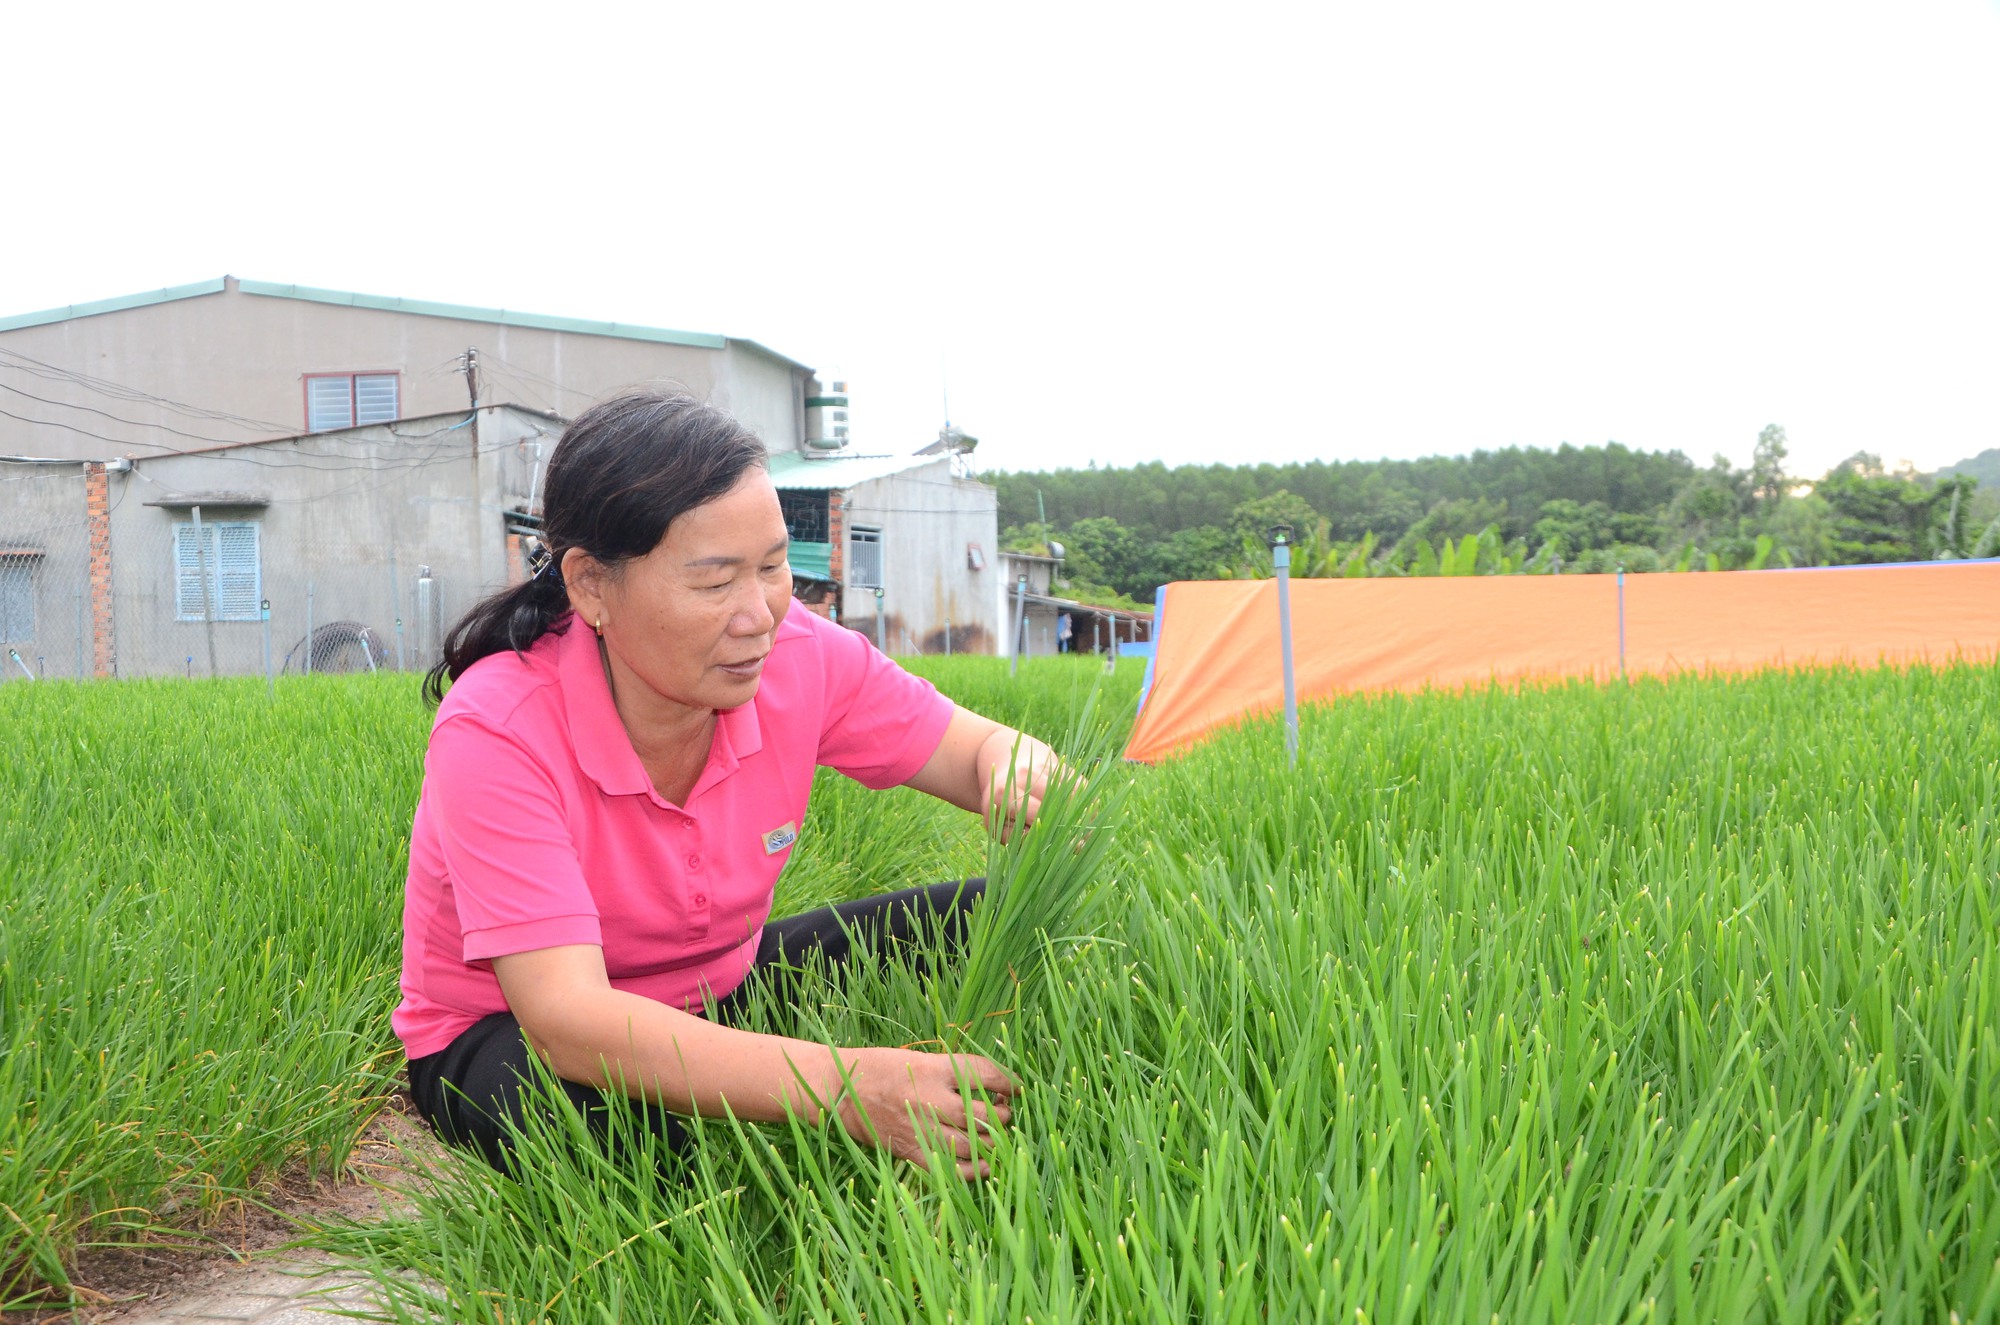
{"x":616,"y":779}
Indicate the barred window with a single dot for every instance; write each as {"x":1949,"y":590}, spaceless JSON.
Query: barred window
{"x":806,"y":514}
{"x":346,"y":400}
{"x":864,"y":557}
{"x":228,"y":549}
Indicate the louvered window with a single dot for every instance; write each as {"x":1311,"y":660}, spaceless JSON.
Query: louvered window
{"x":346,"y":400}
{"x":228,"y":550}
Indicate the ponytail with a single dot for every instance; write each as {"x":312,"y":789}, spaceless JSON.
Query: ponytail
{"x":511,"y":619}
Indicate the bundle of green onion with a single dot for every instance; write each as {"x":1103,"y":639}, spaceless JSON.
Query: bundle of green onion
{"x":1047,"y":885}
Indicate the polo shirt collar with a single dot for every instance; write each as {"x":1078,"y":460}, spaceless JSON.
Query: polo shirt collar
{"x":597,"y":734}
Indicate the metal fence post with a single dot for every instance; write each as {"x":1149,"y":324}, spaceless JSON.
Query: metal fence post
{"x":1020,"y":625}
{"x":80,"y":673}
{"x":1281,"y":562}
{"x":1621,"y":623}
{"x":270,"y":682}
{"x":396,"y":606}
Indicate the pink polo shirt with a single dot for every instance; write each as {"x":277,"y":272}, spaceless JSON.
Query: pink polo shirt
{"x":539,"y":827}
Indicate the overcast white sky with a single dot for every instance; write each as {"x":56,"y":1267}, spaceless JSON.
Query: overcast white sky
{"x":1121,"y":233}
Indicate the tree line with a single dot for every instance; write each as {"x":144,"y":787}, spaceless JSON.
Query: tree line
{"x":1522,"y":510}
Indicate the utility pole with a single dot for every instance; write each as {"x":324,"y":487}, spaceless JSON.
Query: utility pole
{"x":470,"y":367}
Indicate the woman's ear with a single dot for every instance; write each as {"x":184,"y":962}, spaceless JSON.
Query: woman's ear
{"x":583,"y":576}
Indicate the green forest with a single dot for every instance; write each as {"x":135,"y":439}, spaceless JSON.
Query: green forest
{"x":1572,"y":510}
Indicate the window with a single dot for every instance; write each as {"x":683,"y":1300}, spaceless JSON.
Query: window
{"x":346,"y":400}
{"x":864,"y":557}
{"x":235,"y":578}
{"x":17,"y":599}
{"x":805,"y":515}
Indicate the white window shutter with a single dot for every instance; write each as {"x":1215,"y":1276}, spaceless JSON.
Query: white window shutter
{"x":239,"y":582}
{"x":329,"y":403}
{"x":375,"y":398}
{"x":235,"y":571}
{"x":188,"y":605}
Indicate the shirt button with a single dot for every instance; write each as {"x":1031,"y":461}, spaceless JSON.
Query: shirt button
{"x":701,"y":899}
{"x":694,"y":862}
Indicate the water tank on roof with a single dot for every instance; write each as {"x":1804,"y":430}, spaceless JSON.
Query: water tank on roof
{"x":826,"y":414}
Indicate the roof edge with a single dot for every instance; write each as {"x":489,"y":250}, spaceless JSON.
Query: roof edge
{"x":113,"y":305}
{"x":767,"y":350}
{"x":498,"y":316}
{"x":463,"y":416}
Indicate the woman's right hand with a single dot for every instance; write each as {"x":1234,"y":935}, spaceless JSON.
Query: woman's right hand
{"x":916,"y":1104}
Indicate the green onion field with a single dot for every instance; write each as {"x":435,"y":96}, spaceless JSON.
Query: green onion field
{"x":1669,"y":1001}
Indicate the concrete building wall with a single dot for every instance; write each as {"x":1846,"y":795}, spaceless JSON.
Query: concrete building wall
{"x":766,"y":393}
{"x":243,"y":359}
{"x":345,"y":522}
{"x":929,"y":519}
{"x":46,"y":605}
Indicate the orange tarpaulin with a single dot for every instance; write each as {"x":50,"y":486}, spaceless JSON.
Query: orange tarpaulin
{"x":1216,"y":642}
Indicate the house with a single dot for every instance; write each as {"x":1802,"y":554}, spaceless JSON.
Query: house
{"x":896,"y":547}
{"x":1032,"y":609}
{"x":194,"y":479}
{"x":231,"y":360}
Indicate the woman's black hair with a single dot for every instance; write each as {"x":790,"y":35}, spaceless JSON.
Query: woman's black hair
{"x":624,"y":471}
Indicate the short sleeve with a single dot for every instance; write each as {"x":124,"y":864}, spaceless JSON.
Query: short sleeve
{"x":506,"y":845}
{"x":881,"y":724}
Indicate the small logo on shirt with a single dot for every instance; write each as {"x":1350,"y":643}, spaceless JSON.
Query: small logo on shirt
{"x":779,"y":838}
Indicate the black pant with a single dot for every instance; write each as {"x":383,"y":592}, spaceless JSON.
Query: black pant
{"x":472,"y":1090}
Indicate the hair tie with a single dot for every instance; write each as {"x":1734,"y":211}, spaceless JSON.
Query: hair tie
{"x":542,"y":562}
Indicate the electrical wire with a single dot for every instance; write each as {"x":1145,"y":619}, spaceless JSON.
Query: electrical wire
{"x":532,"y":393}
{"x":130,"y":423}
{"x":243,"y":451}
{"x":548,"y":383}
{"x":67,"y":427}
{"x":119,"y":390}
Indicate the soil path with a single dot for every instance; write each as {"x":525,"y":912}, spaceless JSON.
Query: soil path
{"x":244,"y":1274}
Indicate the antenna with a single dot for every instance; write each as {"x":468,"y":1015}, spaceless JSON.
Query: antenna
{"x":944,"y":386}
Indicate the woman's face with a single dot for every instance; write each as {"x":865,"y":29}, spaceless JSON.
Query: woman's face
{"x":694,"y":619}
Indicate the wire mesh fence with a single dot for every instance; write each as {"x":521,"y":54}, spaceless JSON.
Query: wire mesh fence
{"x":45,"y":584}
{"x":130,"y":578}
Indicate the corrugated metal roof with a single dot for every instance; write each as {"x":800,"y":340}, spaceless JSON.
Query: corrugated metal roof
{"x":791,"y":469}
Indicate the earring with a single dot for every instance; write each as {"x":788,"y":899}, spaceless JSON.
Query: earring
{"x":600,"y":627}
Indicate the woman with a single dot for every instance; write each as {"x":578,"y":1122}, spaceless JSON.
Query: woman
{"x":616,"y":779}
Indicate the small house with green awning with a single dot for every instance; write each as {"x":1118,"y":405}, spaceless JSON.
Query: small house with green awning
{"x":900,"y":547}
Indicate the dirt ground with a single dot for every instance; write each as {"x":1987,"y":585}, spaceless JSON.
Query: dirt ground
{"x":127,"y":1283}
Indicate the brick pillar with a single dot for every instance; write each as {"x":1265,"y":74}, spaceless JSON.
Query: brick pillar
{"x":97,"y":509}
{"x":836,"y":532}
